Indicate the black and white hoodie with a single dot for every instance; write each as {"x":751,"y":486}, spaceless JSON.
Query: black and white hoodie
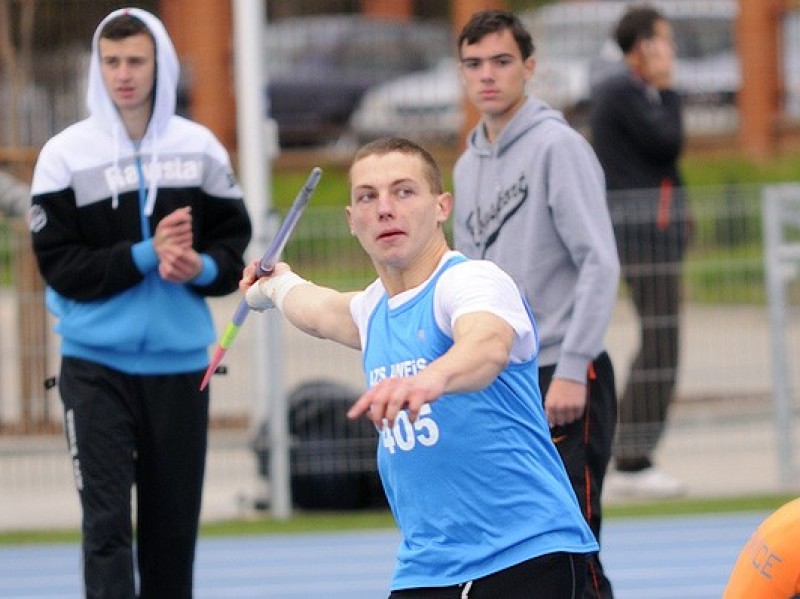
{"x":97,"y":198}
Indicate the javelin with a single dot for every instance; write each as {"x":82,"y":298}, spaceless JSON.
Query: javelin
{"x":264,"y":267}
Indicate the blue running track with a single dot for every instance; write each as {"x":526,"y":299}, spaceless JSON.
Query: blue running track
{"x":675,"y":557}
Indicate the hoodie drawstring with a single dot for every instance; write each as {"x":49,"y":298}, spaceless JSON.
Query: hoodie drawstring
{"x":115,"y":142}
{"x":143,"y":220}
{"x":152,"y":191}
{"x":147,"y":198}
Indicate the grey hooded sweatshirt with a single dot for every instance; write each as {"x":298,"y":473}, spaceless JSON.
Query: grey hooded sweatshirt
{"x":534,"y":203}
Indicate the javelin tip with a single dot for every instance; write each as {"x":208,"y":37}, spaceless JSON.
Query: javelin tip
{"x":212,"y":367}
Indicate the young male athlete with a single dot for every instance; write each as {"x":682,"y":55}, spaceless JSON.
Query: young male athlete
{"x":474,"y":482}
{"x":136,"y":218}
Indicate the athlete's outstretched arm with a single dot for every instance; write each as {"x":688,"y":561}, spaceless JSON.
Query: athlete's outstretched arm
{"x":316,"y":310}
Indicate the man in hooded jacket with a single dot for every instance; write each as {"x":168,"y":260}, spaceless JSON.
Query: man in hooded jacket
{"x":529,"y":196}
{"x":136,"y":218}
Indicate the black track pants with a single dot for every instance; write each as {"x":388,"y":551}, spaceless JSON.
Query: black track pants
{"x":147,"y":431}
{"x":585,"y":448}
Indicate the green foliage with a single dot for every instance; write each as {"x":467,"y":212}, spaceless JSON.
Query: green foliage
{"x":731,"y":275}
{"x":706,"y":169}
{"x":674,"y":507}
{"x":332,"y":190}
{"x":310,"y":522}
{"x":5,"y":252}
{"x":39,"y":537}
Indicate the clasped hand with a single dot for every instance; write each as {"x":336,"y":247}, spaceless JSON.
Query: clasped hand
{"x":178,"y":262}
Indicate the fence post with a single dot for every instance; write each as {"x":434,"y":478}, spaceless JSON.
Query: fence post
{"x":781,"y":206}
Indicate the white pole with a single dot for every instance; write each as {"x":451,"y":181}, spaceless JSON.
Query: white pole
{"x":257,"y":143}
{"x":780,"y":264}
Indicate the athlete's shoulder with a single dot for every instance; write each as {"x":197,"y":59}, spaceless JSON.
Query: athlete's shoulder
{"x":470,"y":269}
{"x":474,"y":282}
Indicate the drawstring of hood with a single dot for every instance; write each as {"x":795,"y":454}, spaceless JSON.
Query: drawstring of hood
{"x":152,"y":190}
{"x":152,"y":176}
{"x":115,"y":161}
{"x":105,"y":114}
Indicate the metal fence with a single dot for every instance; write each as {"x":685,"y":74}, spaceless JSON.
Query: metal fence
{"x":722,"y":428}
{"x":732,"y":427}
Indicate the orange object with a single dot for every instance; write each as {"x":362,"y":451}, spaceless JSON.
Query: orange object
{"x":768,"y":566}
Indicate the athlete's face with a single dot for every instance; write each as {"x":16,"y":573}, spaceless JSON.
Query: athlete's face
{"x":393,"y":212}
{"x":128,"y":66}
{"x":494,"y":74}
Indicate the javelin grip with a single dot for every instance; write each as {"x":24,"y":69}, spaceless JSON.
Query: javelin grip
{"x":273,"y":253}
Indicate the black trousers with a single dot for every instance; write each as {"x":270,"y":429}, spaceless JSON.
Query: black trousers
{"x":651,"y":266}
{"x":144,"y":431}
{"x":585,"y":448}
{"x":552,"y":576}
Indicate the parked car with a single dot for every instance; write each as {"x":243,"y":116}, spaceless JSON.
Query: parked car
{"x":319,"y":67}
{"x":574,"y":50}
{"x":426,"y":106}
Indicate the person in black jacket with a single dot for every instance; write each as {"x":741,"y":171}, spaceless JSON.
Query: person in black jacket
{"x":136,"y":220}
{"x":637,"y":133}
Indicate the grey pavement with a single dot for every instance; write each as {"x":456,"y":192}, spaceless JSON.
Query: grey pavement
{"x":720,"y":439}
{"x":715,"y":457}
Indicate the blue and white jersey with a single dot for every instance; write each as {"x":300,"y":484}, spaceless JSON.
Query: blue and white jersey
{"x":475,"y":484}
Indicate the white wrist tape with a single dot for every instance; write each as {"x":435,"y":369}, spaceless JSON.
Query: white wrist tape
{"x":276,"y":288}
{"x":256,"y":300}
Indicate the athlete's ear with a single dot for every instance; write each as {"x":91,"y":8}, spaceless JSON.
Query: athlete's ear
{"x":444,"y":203}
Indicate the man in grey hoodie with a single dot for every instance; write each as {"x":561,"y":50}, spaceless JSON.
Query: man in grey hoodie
{"x":530,"y":196}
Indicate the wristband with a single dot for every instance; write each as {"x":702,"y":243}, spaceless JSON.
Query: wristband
{"x":276,"y":288}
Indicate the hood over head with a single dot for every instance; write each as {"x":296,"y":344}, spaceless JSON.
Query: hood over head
{"x":167,"y":70}
{"x":102,"y":109}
